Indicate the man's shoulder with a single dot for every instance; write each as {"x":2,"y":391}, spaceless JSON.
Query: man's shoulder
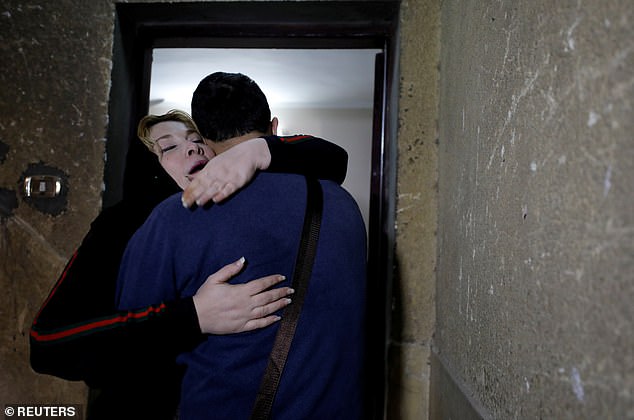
{"x":277,"y":177}
{"x":294,"y":186}
{"x":268,"y":182}
{"x":173,"y":201}
{"x":284,"y":180}
{"x":171,"y":205}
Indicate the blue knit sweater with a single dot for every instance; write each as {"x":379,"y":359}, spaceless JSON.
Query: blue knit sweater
{"x":176,"y":249}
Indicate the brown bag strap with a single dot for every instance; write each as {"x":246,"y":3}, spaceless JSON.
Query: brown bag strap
{"x":288,"y":323}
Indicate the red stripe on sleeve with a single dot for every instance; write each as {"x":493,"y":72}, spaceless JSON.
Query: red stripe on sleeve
{"x":100,"y":324}
{"x":294,"y":139}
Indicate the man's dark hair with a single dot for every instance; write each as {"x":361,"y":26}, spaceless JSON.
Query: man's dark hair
{"x":226,"y":105}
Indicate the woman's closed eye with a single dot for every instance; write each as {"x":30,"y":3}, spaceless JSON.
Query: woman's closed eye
{"x":168,"y":148}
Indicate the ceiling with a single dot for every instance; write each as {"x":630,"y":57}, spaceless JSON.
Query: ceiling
{"x":290,"y":78}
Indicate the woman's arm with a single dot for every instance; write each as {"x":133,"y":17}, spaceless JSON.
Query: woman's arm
{"x":78,"y":334}
{"x":231,"y":170}
{"x":308,"y":155}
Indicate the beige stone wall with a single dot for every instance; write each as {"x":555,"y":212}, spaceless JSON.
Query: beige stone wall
{"x":55,"y":74}
{"x":416,"y":214}
{"x":536,"y":245}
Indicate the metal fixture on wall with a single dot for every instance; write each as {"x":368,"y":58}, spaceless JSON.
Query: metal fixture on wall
{"x":44,"y":188}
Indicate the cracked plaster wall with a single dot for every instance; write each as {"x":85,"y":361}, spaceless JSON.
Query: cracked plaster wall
{"x":536,"y":234}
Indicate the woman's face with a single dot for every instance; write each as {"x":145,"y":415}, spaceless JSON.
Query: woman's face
{"x":181,"y":151}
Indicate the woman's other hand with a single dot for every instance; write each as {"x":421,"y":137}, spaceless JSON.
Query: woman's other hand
{"x":225,"y":308}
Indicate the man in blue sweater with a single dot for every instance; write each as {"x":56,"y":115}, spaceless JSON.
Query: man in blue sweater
{"x":172,"y":253}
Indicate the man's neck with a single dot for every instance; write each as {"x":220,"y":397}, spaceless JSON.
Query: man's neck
{"x":223,"y":146}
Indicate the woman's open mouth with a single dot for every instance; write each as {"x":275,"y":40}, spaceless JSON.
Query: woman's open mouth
{"x":198,"y":167}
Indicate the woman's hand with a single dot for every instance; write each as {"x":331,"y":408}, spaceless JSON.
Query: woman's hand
{"x":225,"y":308}
{"x":227,"y":172}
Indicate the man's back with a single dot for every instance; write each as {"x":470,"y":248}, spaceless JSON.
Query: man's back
{"x":172,"y":255}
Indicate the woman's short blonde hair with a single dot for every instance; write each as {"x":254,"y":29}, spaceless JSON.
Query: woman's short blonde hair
{"x":149,"y":121}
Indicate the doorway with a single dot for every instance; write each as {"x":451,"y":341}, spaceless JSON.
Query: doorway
{"x":328,"y":93}
{"x":144,"y":29}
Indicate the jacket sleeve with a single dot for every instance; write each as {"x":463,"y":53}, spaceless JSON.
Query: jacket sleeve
{"x":308,"y":155}
{"x":79,"y":335}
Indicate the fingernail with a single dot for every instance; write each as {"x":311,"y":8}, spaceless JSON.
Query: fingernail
{"x":241,"y":261}
{"x":184,"y":203}
{"x":291,"y":291}
{"x":288,"y":301}
{"x":281,"y":278}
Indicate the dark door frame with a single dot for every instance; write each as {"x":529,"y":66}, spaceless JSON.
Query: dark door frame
{"x":132,"y":171}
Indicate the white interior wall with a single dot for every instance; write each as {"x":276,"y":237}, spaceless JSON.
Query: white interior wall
{"x":350,"y":129}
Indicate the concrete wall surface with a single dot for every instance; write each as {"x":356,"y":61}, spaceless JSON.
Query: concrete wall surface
{"x":536,"y":234}
{"x":55,"y":76}
{"x":413,"y":314}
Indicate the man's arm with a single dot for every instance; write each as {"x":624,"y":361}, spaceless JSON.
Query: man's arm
{"x":305,"y":155}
